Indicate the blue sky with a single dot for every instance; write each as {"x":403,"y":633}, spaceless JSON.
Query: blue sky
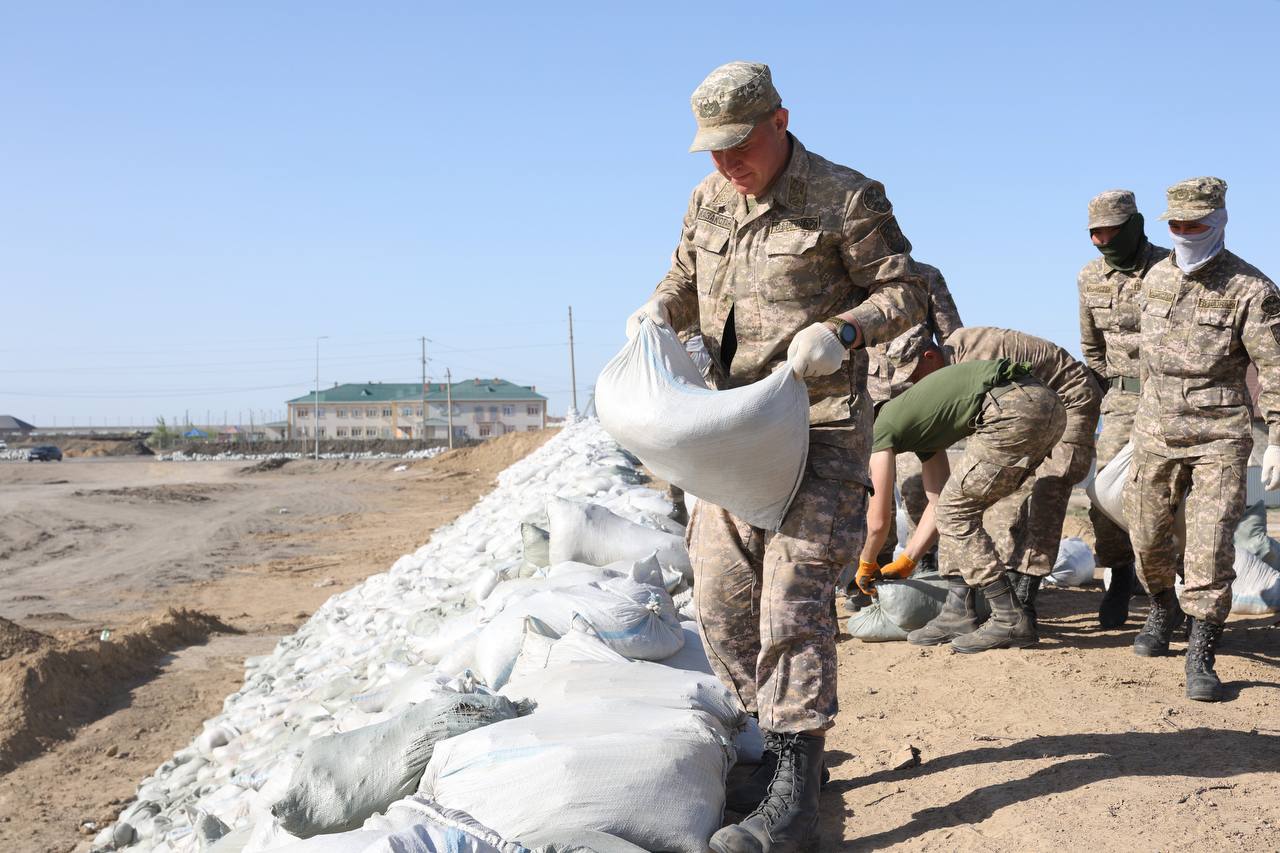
{"x":191,"y":193}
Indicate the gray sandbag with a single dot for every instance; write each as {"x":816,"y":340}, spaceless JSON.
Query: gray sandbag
{"x":1251,"y":536}
{"x":537,"y":545}
{"x":901,"y":606}
{"x":871,"y":625}
{"x":1256,"y":588}
{"x":345,"y":778}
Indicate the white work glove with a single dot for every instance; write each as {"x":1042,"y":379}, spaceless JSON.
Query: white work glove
{"x":654,"y":310}
{"x":1271,"y":468}
{"x":815,"y":351}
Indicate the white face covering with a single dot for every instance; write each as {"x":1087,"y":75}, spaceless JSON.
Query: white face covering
{"x":1192,"y":251}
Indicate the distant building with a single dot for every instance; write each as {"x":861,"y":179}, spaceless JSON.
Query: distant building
{"x":482,"y":408}
{"x":11,"y":426}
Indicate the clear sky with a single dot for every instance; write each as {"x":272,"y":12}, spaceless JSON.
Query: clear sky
{"x":191,"y":193}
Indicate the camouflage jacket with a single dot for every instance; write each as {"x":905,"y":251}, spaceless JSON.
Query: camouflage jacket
{"x":1199,"y":333}
{"x":820,"y":241}
{"x":942,"y":319}
{"x":1050,"y":363}
{"x":1109,"y":327}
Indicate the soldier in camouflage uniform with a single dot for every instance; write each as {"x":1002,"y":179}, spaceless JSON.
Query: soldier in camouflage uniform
{"x":1205,"y":315}
{"x":783,"y":256}
{"x":1109,"y":287}
{"x":1027,"y":525}
{"x":1012,"y":421}
{"x":941,"y":320}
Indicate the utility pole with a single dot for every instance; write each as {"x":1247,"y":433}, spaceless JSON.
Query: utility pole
{"x":315,"y":408}
{"x":573,"y":372}
{"x":448,"y":384}
{"x":422,"y":430}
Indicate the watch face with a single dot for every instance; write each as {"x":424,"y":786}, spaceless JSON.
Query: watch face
{"x":847,"y":334}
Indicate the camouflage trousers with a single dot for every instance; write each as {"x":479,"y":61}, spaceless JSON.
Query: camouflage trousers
{"x":1026,"y":526}
{"x":910,"y":485}
{"x":1018,"y":426}
{"x":1213,"y":489}
{"x":764,"y":598}
{"x":1112,"y":541}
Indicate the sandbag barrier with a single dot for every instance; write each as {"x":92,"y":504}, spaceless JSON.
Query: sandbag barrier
{"x":381,"y":674}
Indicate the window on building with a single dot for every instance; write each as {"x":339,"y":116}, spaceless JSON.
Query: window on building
{"x":418,"y":412}
{"x":355,"y":413}
{"x":493,"y":411}
{"x":371,"y":413}
{"x":342,"y":413}
{"x":386,"y":413}
{"x":485,"y":430}
{"x":533,"y":410}
{"x":508,"y":411}
{"x":342,"y":432}
{"x":320,"y":431}
{"x":479,"y":410}
{"x":320,"y":412}
{"x":406,"y":411}
{"x":531,"y":429}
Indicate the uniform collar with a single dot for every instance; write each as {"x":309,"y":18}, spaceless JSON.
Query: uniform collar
{"x":790,"y":189}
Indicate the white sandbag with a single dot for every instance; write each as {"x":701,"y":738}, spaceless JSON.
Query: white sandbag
{"x":589,"y":533}
{"x":418,"y":824}
{"x":1251,"y":535}
{"x":748,"y":743}
{"x":535,"y":648}
{"x":653,"y":400}
{"x":692,"y":656}
{"x":343,"y":779}
{"x":1256,"y":589}
{"x":582,"y":642}
{"x":652,"y":776}
{"x":450,"y":632}
{"x":592,"y":683}
{"x":578,"y":841}
{"x":1106,"y":492}
{"x":636,"y":620}
{"x":872,"y":625}
{"x":1075,"y":564}
{"x":536,"y":544}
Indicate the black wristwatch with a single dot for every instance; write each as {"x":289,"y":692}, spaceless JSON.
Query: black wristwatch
{"x":845,"y":331}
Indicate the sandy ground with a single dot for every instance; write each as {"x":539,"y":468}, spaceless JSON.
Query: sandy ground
{"x":1075,"y":744}
{"x":111,"y":543}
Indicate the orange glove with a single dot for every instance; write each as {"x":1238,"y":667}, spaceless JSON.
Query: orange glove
{"x":866,"y":577}
{"x":901,"y":567}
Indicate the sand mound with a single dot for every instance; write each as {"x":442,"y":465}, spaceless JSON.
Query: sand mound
{"x":496,"y":453}
{"x":14,"y":639}
{"x":48,"y":691}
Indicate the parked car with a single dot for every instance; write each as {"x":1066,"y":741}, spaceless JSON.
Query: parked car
{"x":44,"y":453}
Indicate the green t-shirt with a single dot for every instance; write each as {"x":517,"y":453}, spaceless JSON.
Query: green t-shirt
{"x":940,"y":409}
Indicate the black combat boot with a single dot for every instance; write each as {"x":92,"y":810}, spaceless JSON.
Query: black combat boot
{"x":1202,"y":682}
{"x":747,"y":794}
{"x":786,"y":821}
{"x":1163,"y":619}
{"x":1114,"y":610}
{"x":1025,"y":589}
{"x":1009,"y":626}
{"x":958,"y":616}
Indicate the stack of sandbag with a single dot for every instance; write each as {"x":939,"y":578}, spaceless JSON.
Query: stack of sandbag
{"x":652,"y":398}
{"x":636,"y":750}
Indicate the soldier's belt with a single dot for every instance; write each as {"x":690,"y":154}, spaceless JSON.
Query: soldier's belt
{"x":1000,"y":390}
{"x":1132,"y":384}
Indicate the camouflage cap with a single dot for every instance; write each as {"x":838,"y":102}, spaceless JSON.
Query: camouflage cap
{"x":1195,"y":198}
{"x":903,"y":353}
{"x":730,"y":102}
{"x":1111,"y":208}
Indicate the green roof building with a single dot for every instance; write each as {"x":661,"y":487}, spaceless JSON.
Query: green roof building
{"x":482,"y":408}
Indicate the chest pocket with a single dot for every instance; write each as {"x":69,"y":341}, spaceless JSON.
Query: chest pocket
{"x":709,"y":243}
{"x":1099,"y":305}
{"x":792,"y":267}
{"x":1215,"y":328}
{"x":1155,"y":316}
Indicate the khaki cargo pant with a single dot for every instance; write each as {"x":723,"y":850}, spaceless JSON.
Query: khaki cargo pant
{"x":1112,"y":541}
{"x":764,"y":598}
{"x":1213,"y":488}
{"x":1017,"y":428}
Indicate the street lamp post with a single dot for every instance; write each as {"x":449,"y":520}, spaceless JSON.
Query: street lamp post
{"x":315,"y":407}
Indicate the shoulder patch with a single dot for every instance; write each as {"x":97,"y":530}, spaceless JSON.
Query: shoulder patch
{"x":893,"y":236}
{"x":718,"y":219}
{"x":1215,"y":302}
{"x":1161,"y":295}
{"x":1271,"y":306}
{"x":873,"y":199}
{"x":803,"y":223}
